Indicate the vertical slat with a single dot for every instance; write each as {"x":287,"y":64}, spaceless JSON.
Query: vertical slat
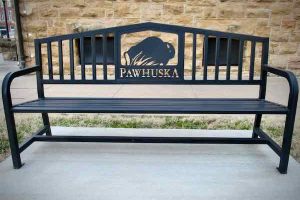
{"x":217,"y":58}
{"x":49,"y":53}
{"x":104,"y":47}
{"x":263,"y":72}
{"x":117,"y":54}
{"x":93,"y":41}
{"x":39,"y":74}
{"x":181,"y":42}
{"x":241,"y":55}
{"x":82,"y":56}
{"x":60,"y":60}
{"x":228,"y":58}
{"x":71,"y":59}
{"x":252,"y":60}
{"x":194,"y":56}
{"x":205,"y":57}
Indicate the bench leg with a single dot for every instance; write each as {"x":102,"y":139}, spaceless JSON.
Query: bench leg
{"x":257,"y":123}
{"x":13,"y":140}
{"x":286,"y":143}
{"x":46,"y":123}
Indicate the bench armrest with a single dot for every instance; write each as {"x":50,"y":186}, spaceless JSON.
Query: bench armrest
{"x":6,"y":95}
{"x":293,"y":84}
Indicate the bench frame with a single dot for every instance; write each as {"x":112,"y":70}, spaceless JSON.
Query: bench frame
{"x":258,"y":137}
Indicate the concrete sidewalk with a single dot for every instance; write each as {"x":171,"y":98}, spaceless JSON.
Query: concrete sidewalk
{"x":148,"y":171}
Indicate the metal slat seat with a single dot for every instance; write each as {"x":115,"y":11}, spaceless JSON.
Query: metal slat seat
{"x":151,"y":105}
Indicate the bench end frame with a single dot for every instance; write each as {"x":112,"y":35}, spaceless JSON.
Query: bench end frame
{"x":9,"y":114}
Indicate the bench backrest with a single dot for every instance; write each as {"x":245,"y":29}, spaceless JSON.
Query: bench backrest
{"x":152,"y":53}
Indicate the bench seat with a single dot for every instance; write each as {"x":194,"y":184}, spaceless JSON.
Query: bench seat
{"x":151,"y":105}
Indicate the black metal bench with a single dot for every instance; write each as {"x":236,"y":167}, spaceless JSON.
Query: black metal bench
{"x":150,"y":62}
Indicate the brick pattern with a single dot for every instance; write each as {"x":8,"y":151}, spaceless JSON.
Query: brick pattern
{"x":277,"y":19}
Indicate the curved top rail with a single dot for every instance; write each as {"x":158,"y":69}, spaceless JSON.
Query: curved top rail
{"x":293,"y":84}
{"x":8,"y":80}
{"x":154,"y":27}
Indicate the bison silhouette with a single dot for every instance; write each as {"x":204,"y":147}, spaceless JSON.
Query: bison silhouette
{"x":152,"y":51}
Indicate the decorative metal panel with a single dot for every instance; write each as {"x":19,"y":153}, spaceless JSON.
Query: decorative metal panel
{"x":148,"y":60}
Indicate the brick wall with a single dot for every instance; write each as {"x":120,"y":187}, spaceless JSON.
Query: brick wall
{"x":277,"y":19}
